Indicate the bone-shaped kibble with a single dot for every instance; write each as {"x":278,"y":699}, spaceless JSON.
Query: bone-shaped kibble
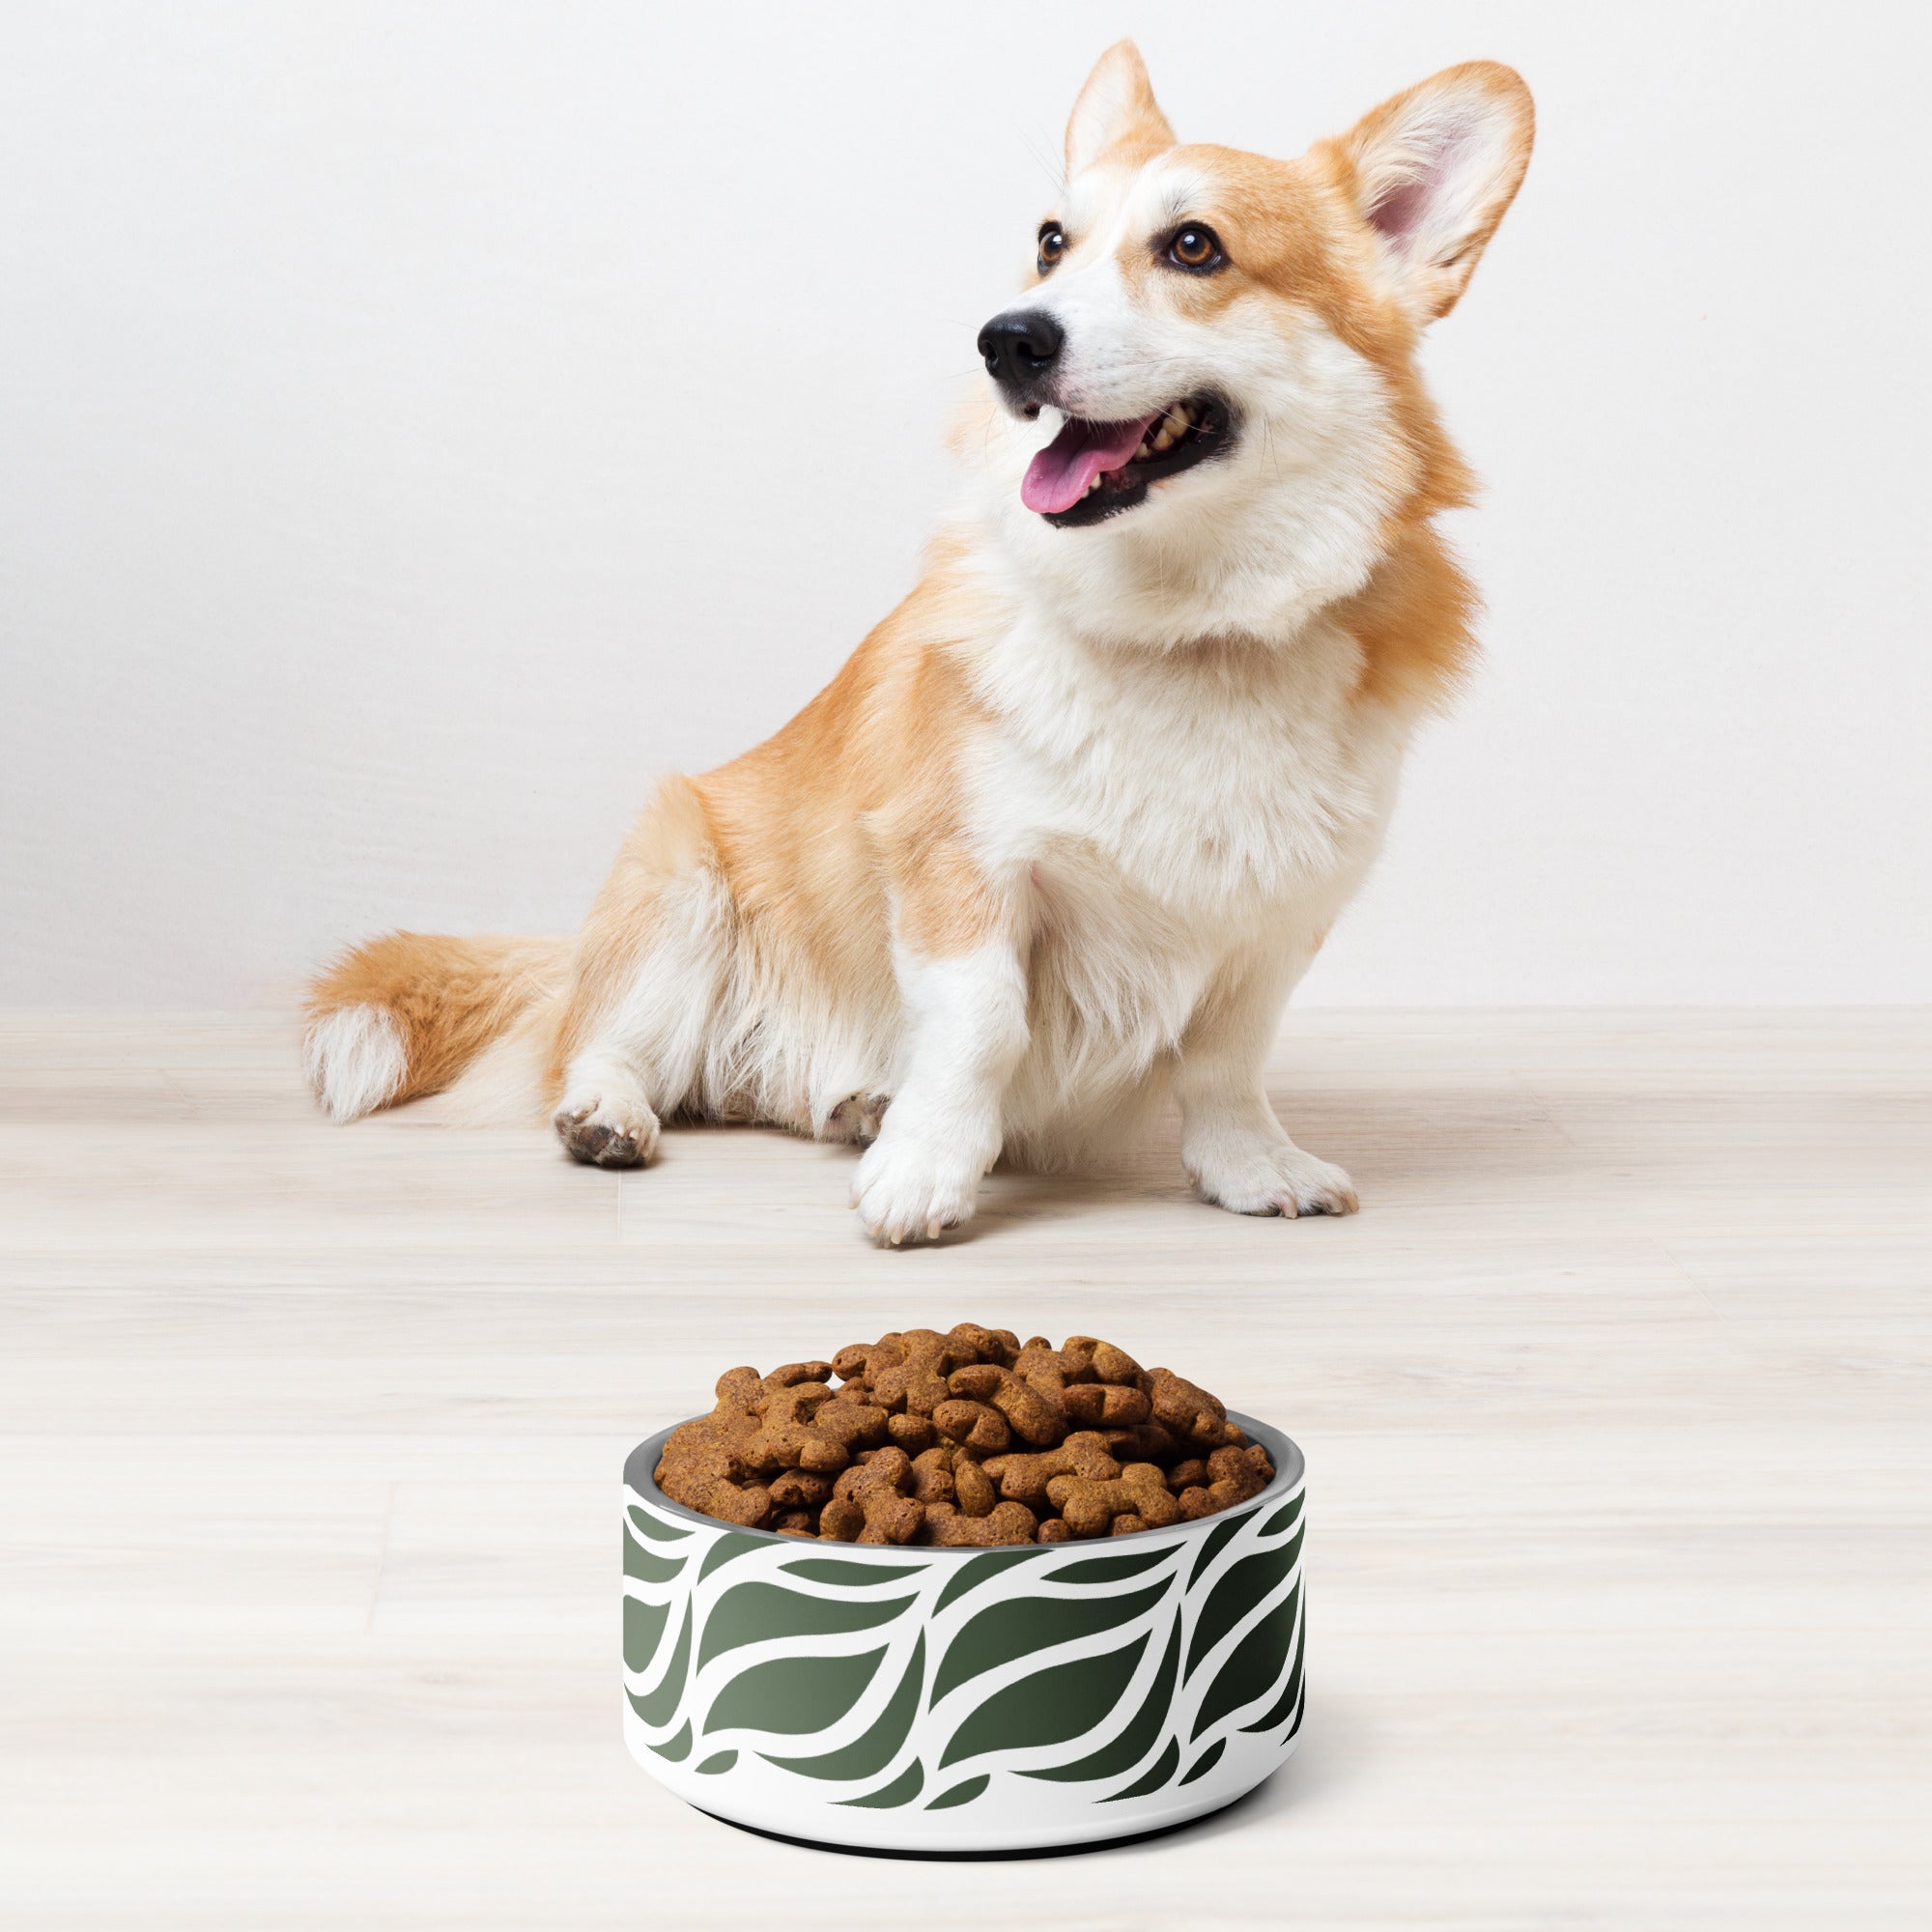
{"x":1091,"y":1382}
{"x":1044,"y":1369}
{"x":932,"y":1475}
{"x":999,"y":1346}
{"x":705,"y":1464}
{"x":869,"y":1504}
{"x":912,"y":1375}
{"x":1088,"y":1508}
{"x":1146,"y":1443}
{"x":1024,"y":1477}
{"x":975,"y":1424}
{"x":1233,"y":1475}
{"x":1033,"y":1418}
{"x":747,"y":1504}
{"x":719,"y":1440}
{"x":800,"y":1490}
{"x":852,"y":1363}
{"x":747,"y":1389}
{"x":853,"y":1424}
{"x":709,"y":1476}
{"x":1105,"y":1405}
{"x":1100,"y":1361}
{"x":745,"y":1399}
{"x":788,"y":1437}
{"x":1192,"y":1413}
{"x":913,"y":1434}
{"x":1007,"y":1523}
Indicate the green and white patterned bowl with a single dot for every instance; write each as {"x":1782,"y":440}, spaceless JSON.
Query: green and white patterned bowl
{"x":910,"y":1700}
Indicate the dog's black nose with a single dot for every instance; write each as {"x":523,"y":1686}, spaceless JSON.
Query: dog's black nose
{"x":1020,"y":347}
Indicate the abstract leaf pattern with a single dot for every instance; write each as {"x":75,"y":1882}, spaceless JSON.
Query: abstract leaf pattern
{"x":640,"y":1563}
{"x":977,"y":1570}
{"x":1164,"y":1766}
{"x":1065,"y":1700}
{"x":859,"y":1576}
{"x":1135,"y":1742}
{"x":1077,"y":1669}
{"x":869,"y":1754}
{"x":1287,"y":1705}
{"x":794,"y":1694}
{"x":654,"y":1527}
{"x":659,"y":1705}
{"x":643,"y":1625}
{"x":1254,"y":1665}
{"x":1241,"y":1587}
{"x":1022,"y":1625}
{"x":1107,"y":1569}
{"x":757,"y":1612}
{"x":962,"y":1793}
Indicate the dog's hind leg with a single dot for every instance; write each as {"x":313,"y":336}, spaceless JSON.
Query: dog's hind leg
{"x":647,"y":977}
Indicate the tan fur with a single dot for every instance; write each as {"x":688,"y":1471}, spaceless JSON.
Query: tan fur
{"x":838,"y":828}
{"x":448,"y":997}
{"x":1413,"y":622}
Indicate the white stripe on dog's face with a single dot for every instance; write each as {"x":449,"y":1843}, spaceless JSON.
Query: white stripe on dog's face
{"x":1132,"y":347}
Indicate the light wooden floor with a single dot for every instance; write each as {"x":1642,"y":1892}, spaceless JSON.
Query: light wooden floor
{"x":1616,"y":1401}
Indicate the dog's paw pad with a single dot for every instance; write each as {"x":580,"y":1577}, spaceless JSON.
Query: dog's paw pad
{"x":607,"y":1135}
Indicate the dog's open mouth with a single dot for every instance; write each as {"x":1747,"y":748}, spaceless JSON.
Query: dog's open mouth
{"x":1092,"y":470}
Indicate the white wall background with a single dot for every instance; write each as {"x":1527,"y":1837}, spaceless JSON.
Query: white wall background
{"x":419,"y":424}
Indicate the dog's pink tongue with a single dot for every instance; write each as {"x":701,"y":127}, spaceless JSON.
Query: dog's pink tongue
{"x":1056,"y":478}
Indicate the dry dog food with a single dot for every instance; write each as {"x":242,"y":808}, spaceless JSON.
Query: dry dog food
{"x":970,"y":1437}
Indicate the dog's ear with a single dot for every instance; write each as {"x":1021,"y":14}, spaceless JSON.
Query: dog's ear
{"x":1115,"y":109}
{"x":1433,"y":171}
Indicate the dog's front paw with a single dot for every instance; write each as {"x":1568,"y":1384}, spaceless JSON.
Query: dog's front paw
{"x":1253,"y":1176}
{"x":605,"y":1128}
{"x":905,"y":1189}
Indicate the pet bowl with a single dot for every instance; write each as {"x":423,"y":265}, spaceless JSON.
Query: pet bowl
{"x":909,"y":1699}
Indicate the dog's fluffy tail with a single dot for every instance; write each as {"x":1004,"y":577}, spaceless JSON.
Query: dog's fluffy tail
{"x":404,"y":1014}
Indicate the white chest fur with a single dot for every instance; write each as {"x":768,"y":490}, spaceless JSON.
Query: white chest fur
{"x":1228,"y":784}
{"x":1177,"y":812}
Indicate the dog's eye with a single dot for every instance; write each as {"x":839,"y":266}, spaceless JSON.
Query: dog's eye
{"x":1052,"y":245}
{"x":1195,"y":249}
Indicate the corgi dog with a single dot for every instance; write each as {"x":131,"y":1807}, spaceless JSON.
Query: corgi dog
{"x":1057,"y":843}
